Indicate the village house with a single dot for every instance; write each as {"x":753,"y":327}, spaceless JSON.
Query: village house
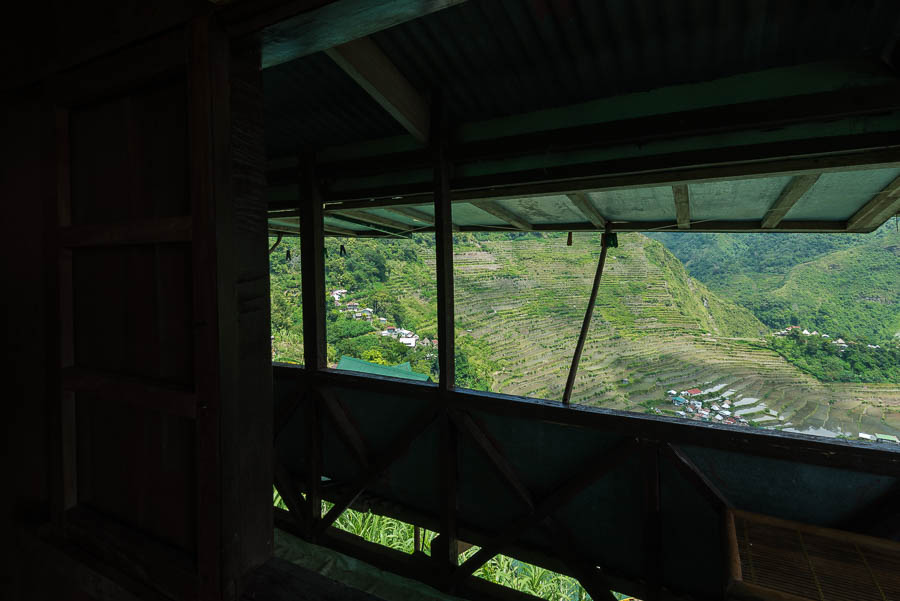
{"x":692,"y":392}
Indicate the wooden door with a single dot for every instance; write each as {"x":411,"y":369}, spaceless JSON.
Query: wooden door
{"x":163,"y":426}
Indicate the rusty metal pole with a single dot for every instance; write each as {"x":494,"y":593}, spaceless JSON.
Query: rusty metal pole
{"x":576,"y":359}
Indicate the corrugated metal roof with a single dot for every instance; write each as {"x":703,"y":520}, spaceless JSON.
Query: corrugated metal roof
{"x":739,"y":204}
{"x":310,"y":103}
{"x":495,"y":58}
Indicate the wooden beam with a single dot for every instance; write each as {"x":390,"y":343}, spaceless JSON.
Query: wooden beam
{"x":500,"y":212}
{"x":792,"y":192}
{"x":420,"y":216}
{"x":287,"y":37}
{"x":130,"y":390}
{"x":799,"y":448}
{"x":879,"y":209}
{"x":369,"y":67}
{"x":445,"y":551}
{"x":652,"y":522}
{"x":590,"y":471}
{"x":147,"y":231}
{"x":396,"y":449}
{"x":682,"y":198}
{"x":443,"y":243}
{"x":565,"y":547}
{"x":340,"y":231}
{"x":290,"y":494}
{"x":347,"y":430}
{"x":360,"y":215}
{"x":695,"y":476}
{"x":312,"y":243}
{"x":498,"y":459}
{"x":366,"y":222}
{"x":313,"y":466}
{"x":583,"y":203}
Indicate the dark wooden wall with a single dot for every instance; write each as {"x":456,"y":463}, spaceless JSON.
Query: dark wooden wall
{"x":136,"y":303}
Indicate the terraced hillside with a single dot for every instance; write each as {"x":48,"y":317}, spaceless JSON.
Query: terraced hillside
{"x":654,"y":329}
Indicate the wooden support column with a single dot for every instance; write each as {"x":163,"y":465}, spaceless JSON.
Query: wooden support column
{"x":443,"y":242}
{"x":652,"y":520}
{"x":312,"y":261}
{"x":445,"y":548}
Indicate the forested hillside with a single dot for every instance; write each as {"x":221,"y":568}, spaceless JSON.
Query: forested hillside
{"x":845,"y":284}
{"x":520,"y":300}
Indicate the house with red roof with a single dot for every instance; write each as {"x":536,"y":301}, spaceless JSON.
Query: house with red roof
{"x":692,"y":391}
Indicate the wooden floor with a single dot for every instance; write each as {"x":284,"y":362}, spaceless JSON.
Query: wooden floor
{"x":280,"y":580}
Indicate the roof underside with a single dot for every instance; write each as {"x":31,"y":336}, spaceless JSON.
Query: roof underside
{"x":712,"y":116}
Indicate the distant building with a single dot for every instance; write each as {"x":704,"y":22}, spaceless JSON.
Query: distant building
{"x":887,"y":438}
{"x":693,"y":391}
{"x":679,"y":400}
{"x":672,"y":393}
{"x":382,"y":319}
{"x":865,"y":436}
{"x":409,"y":341}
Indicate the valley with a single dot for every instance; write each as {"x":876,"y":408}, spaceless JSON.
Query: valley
{"x":520,"y":300}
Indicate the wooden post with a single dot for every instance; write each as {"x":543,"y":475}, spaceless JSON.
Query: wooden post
{"x":312,"y":261}
{"x":443,"y":242}
{"x":586,"y":324}
{"x":445,"y":548}
{"x":652,"y":521}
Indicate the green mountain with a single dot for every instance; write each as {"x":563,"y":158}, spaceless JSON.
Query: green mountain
{"x":520,"y":301}
{"x":845,"y":284}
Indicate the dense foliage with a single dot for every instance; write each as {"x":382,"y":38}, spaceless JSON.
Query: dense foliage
{"x":829,"y":362}
{"x":844,"y":284}
{"x":395,"y":277}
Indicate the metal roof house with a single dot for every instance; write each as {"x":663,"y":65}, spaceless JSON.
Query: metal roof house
{"x":151,"y":150}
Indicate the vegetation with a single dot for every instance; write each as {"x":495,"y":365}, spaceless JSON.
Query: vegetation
{"x":847,"y":285}
{"x":830,"y":362}
{"x":501,"y":569}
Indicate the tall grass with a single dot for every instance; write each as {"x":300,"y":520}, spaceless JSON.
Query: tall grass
{"x":501,"y":569}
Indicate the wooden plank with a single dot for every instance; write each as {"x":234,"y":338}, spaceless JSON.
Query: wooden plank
{"x":589,"y":472}
{"x":150,"y":231}
{"x":80,"y":571}
{"x":795,"y":157}
{"x":800,"y":448}
{"x":313,"y":467}
{"x":697,"y":478}
{"x":340,"y":231}
{"x":312,"y":243}
{"x":880,"y":208}
{"x":370,"y":219}
{"x":347,"y":431}
{"x":682,"y":198}
{"x":498,"y":459}
{"x":395,"y":449}
{"x":287,"y":39}
{"x":586,"y":207}
{"x":417,"y":215}
{"x":133,"y":391}
{"x":378,"y":228}
{"x":298,"y":508}
{"x":792,"y":192}
{"x":445,"y":549}
{"x":652,"y":544}
{"x":565,"y":547}
{"x":206,"y":254}
{"x":168,"y":569}
{"x":443,"y":244}
{"x":493,"y":208}
{"x":369,"y":67}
